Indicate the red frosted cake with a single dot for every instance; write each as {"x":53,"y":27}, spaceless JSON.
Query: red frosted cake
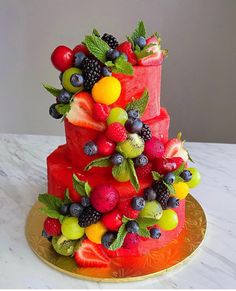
{"x":118,"y":185}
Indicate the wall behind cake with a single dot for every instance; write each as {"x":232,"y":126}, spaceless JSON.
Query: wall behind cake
{"x":198,"y":85}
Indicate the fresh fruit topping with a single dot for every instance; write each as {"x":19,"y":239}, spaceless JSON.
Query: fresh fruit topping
{"x":112,"y":220}
{"x":62,"y":58}
{"x":52,"y":226}
{"x":79,"y":57}
{"x":140,"y":41}
{"x":134,"y":125}
{"x":71,"y":229}
{"x":162,"y":192}
{"x":89,"y":254}
{"x":149,"y":194}
{"x":63,"y":246}
{"x":169,"y":178}
{"x":64,"y":209}
{"x":131,"y":240}
{"x":152,"y":210}
{"x":154,"y":59}
{"x":110,"y":40}
{"x":45,"y":235}
{"x":141,"y":161}
{"x":172,"y":202}
{"x":117,"y":114}
{"x":89,"y":216}
{"x":132,"y":147}
{"x":80,"y":48}
{"x":76,"y":209}
{"x":100,"y":112}
{"x":85,"y":201}
{"x":146,"y":133}
{"x":121,"y":172}
{"x":137,"y":203}
{"x":163,"y":166}
{"x":104,"y":198}
{"x":168,"y":220}
{"x":112,"y":55}
{"x":106,"y":72}
{"x":133,"y":114}
{"x":175,"y":148}
{"x":64,"y":97}
{"x":66,"y":79}
{"x":125,"y":208}
{"x":90,"y":148}
{"x":126,"y":48}
{"x":186,"y":175}
{"x":107,"y":90}
{"x":108,"y":238}
{"x":181,"y":190}
{"x":77,"y":80}
{"x":53,"y":112}
{"x":116,"y":132}
{"x":105,"y":146}
{"x":95,"y":232}
{"x":91,"y":72}
{"x":145,"y":171}
{"x":196,"y":178}
{"x":132,"y":226}
{"x":154,"y":148}
{"x":155,"y":233}
{"x":117,"y":159}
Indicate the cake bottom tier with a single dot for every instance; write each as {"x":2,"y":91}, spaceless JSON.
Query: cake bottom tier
{"x":60,"y":173}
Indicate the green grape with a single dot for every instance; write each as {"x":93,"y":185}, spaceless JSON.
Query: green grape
{"x":117,"y":114}
{"x":63,"y":246}
{"x":71,"y":229}
{"x":169,"y":220}
{"x":196,"y":178}
{"x":121,"y":172}
{"x":66,"y":83}
{"x":152,"y":209}
{"x":132,"y":147}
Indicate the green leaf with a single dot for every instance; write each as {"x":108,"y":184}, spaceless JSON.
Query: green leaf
{"x":52,"y":202}
{"x":97,"y":47}
{"x":139,"y":31}
{"x":133,"y":176}
{"x":52,"y":213}
{"x":156,"y":176}
{"x":144,"y":232}
{"x":100,"y":162}
{"x":178,"y":179}
{"x":109,"y":64}
{"x":125,"y":219}
{"x":144,"y":52}
{"x":95,"y":32}
{"x":87,"y":188}
{"x":169,"y":187}
{"x":54,"y":91}
{"x":79,"y":185}
{"x":179,"y":170}
{"x":63,"y":108}
{"x":131,"y":41}
{"x":189,"y":157}
{"x":139,"y":104}
{"x":118,"y":242}
{"x":67,"y":199}
{"x":122,"y":66}
{"x":145,"y":222}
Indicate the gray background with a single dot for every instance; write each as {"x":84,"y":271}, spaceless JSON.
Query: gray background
{"x":198,"y":85}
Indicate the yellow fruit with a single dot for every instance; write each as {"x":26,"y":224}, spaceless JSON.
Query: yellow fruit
{"x":95,"y":232}
{"x":181,"y":190}
{"x":107,"y":90}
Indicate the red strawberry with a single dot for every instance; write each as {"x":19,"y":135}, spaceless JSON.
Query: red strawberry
{"x":112,"y":220}
{"x":105,"y":146}
{"x":145,"y":171}
{"x":62,"y":58}
{"x":125,"y":208}
{"x":116,"y":132}
{"x":154,"y":148}
{"x":154,"y":59}
{"x":166,"y":165}
{"x":81,"y":48}
{"x":89,"y":254}
{"x":175,"y":148}
{"x":126,"y":47}
{"x":131,"y":240}
{"x":100,"y":112}
{"x":52,"y":226}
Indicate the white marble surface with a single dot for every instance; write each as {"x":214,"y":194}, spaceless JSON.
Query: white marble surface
{"x":23,"y":176}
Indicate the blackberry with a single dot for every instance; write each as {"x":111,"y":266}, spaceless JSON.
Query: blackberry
{"x":91,"y":72}
{"x":146,"y":133}
{"x":162,"y":192}
{"x":110,"y":40}
{"x":89,"y":216}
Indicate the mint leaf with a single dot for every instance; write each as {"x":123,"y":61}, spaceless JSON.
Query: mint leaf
{"x":54,"y":91}
{"x":96,"y":33}
{"x":118,"y":242}
{"x":79,"y":185}
{"x":169,"y":187}
{"x":67,"y":199}
{"x":109,"y":64}
{"x":144,"y":52}
{"x":122,"y":66}
{"x":52,"y":213}
{"x":178,"y":179}
{"x":146,"y":221}
{"x":125,"y":219}
{"x":52,"y":202}
{"x":131,"y":41}
{"x":121,"y":169}
{"x":139,"y":31}
{"x":156,"y":176}
{"x":100,"y":162}
{"x":139,"y":104}
{"x":97,"y":47}
{"x":133,"y":176}
{"x":180,"y":169}
{"x":87,"y":188}
{"x":144,"y":232}
{"x":63,"y":108}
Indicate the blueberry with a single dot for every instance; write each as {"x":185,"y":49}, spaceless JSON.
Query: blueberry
{"x":141,"y":160}
{"x":106,"y":72}
{"x":133,"y":125}
{"x":132,"y":226}
{"x":117,"y":159}
{"x":137,"y":203}
{"x":112,"y":54}
{"x":90,"y":148}
{"x":64,"y":97}
{"x":77,"y":80}
{"x":172,"y":202}
{"x":155,"y":233}
{"x":186,"y":175}
{"x":48,"y":237}
{"x":140,"y":41}
{"x":64,"y":209}
{"x":53,"y":112}
{"x":108,"y":238}
{"x":79,"y":57}
{"x":133,"y":113}
{"x":85,"y":202}
{"x":169,"y":178}
{"x":149,"y":194}
{"x":76,"y":209}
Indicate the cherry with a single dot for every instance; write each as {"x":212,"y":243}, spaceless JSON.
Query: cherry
{"x":62,"y":58}
{"x":105,"y":146}
{"x":80,"y":48}
{"x":166,"y":165}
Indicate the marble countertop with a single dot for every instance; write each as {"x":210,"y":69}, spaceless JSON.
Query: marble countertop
{"x":23,"y":176}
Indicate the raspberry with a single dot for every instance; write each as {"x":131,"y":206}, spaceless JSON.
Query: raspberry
{"x":126,"y":209}
{"x":100,"y":112}
{"x":116,"y":132}
{"x":144,"y":171}
{"x":131,"y":240}
{"x":52,"y":226}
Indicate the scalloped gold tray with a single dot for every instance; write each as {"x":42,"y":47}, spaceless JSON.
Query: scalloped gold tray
{"x":137,"y":268}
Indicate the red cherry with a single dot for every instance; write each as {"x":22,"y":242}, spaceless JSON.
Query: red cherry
{"x":105,"y":146}
{"x":81,"y":48}
{"x":62,"y":58}
{"x":166,"y":165}
{"x":112,"y":220}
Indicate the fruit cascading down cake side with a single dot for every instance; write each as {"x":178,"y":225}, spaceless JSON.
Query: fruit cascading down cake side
{"x":117,"y":188}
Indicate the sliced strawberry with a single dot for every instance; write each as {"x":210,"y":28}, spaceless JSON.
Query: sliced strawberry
{"x":126,"y":47}
{"x":89,"y":254}
{"x":166,"y":165}
{"x":175,"y":148}
{"x":81,"y":48}
{"x":81,"y":112}
{"x":154,"y":59}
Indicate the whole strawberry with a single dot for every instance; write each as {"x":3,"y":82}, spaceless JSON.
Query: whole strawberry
{"x":52,"y":226}
{"x":116,"y":132}
{"x":100,"y":112}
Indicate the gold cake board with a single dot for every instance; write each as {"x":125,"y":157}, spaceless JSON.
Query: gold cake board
{"x":137,"y":268}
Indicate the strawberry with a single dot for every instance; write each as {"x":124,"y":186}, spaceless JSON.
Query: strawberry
{"x":52,"y":226}
{"x":144,"y":171}
{"x":175,"y":148}
{"x":100,"y":112}
{"x":154,"y":59}
{"x":166,"y":165}
{"x":89,"y":254}
{"x":81,"y":112}
{"x":154,"y":148}
{"x":105,"y":146}
{"x":126,"y":47}
{"x":112,"y":220}
{"x":125,"y":208}
{"x":116,"y":132}
{"x":80,"y":48}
